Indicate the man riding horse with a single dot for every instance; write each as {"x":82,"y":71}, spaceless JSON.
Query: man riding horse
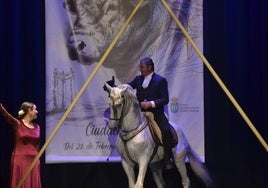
{"x":152,"y":94}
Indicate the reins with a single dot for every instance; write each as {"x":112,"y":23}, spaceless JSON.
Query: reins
{"x":126,"y":137}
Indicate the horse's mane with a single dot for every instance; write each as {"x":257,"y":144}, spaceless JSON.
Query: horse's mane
{"x":131,"y":99}
{"x":130,"y":92}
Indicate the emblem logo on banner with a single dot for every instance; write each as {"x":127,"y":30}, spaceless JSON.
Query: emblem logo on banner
{"x":174,"y":105}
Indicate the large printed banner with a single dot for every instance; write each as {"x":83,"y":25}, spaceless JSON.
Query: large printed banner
{"x":78,"y":33}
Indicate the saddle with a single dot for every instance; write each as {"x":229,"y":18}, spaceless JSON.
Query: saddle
{"x":156,"y":132}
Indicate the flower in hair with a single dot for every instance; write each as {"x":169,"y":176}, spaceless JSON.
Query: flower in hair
{"x":21,"y":112}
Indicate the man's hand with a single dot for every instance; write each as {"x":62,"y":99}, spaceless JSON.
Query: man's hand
{"x":146,"y":105}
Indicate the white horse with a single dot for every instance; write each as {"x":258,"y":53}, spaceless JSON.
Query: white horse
{"x":137,"y":146}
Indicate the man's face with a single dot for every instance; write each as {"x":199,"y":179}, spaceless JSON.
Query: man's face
{"x":145,"y":70}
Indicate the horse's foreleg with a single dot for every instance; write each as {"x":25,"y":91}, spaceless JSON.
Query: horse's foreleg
{"x":129,"y":170}
{"x":141,"y":175}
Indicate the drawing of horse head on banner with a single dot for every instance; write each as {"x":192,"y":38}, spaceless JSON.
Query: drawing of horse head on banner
{"x":99,"y":21}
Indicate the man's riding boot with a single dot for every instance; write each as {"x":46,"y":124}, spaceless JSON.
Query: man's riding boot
{"x":168,"y":159}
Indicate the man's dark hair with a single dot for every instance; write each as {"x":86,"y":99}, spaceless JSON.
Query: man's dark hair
{"x":148,"y":62}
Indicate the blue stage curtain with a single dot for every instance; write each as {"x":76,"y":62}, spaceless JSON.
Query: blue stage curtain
{"x":235,"y":43}
{"x":22,"y":72}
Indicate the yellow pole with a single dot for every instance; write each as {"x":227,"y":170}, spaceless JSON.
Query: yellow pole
{"x":79,"y":93}
{"x":227,"y":92}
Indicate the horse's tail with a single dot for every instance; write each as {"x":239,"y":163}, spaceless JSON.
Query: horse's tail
{"x":199,"y":169}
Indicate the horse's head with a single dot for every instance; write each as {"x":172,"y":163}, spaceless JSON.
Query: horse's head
{"x":120,"y":101}
{"x":116,"y":104}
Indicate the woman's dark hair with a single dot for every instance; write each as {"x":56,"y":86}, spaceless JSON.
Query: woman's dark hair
{"x":24,"y":108}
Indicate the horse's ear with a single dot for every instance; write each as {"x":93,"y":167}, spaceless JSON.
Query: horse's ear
{"x":124,"y":91}
{"x":107,"y":87}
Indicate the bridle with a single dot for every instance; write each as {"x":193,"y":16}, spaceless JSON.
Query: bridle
{"x":119,"y":118}
{"x":120,"y":115}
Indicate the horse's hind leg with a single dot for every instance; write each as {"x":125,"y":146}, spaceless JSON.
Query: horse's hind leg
{"x":179,"y":160}
{"x":156,"y":169}
{"x":129,"y":170}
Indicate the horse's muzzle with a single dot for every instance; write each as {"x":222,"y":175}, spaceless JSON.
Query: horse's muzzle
{"x":113,"y":123}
